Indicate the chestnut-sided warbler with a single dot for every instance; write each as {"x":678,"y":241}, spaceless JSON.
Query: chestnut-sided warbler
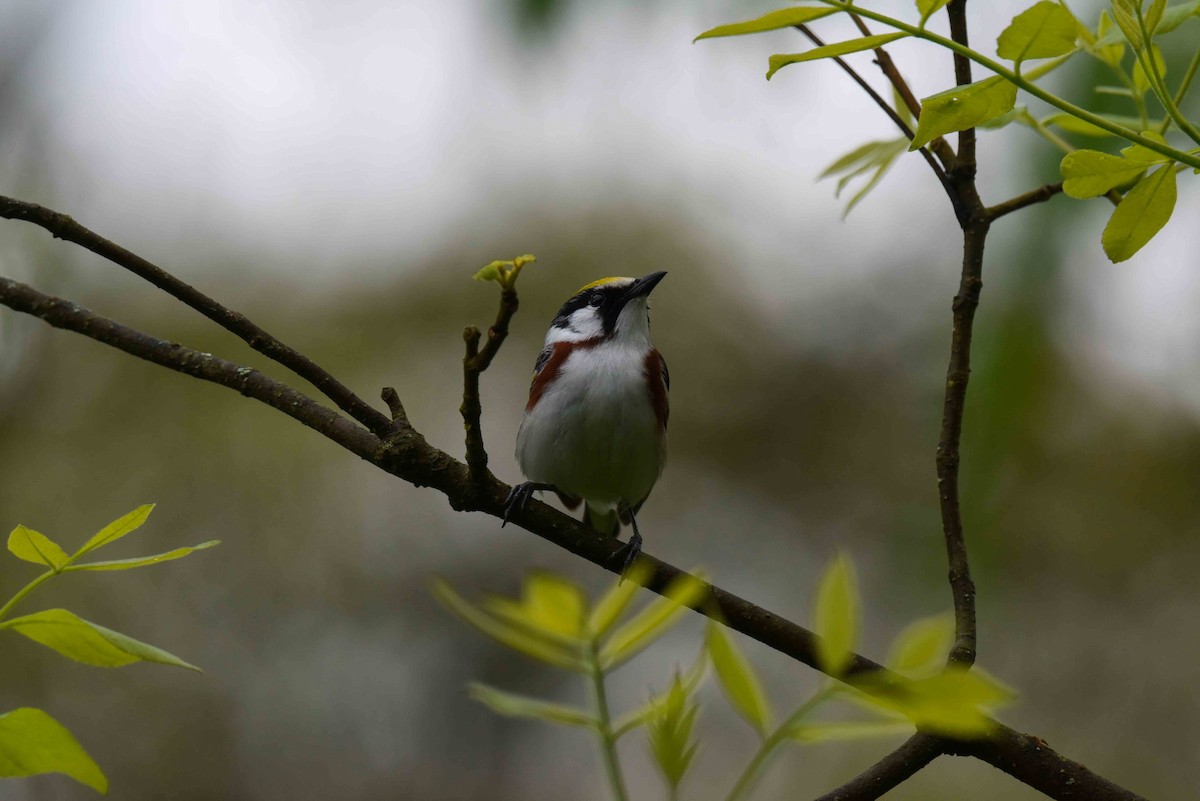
{"x":595,"y":427}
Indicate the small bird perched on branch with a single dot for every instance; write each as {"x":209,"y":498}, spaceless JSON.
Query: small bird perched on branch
{"x":595,"y":427}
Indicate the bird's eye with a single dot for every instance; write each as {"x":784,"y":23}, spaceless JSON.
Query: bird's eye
{"x":596,"y":299}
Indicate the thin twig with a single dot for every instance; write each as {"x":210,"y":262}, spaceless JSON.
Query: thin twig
{"x":939,"y":146}
{"x":964,"y":167}
{"x":64,"y":227}
{"x":475,"y":362}
{"x":883,"y":104}
{"x":1039,"y":195}
{"x":898,"y":766}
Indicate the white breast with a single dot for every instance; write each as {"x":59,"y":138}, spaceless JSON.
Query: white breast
{"x":593,"y":433}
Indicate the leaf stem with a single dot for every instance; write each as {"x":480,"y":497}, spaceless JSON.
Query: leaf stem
{"x":772,"y":741}
{"x":28,"y":588}
{"x":1012,"y":77}
{"x":1159,"y":84}
{"x":608,"y":743}
{"x":1184,"y":85}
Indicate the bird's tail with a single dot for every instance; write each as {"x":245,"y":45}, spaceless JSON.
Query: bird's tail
{"x":606,"y":521}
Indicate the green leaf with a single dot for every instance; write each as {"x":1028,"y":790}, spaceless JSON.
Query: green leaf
{"x":1044,"y":30}
{"x":856,"y":730}
{"x":963,"y":107}
{"x":1141,"y":82}
{"x":32,"y":546}
{"x":519,"y":706}
{"x":928,"y":8}
{"x":1141,"y":214}
{"x":1126,"y":19}
{"x":784,"y":18}
{"x":955,"y":702}
{"x":1154,"y":15}
{"x":87,"y":642}
{"x":32,"y":742}
{"x":652,"y":622}
{"x":670,"y":734}
{"x":778,"y":62}
{"x":117,"y":529}
{"x":143,"y":561}
{"x":1110,"y":42}
{"x":549,"y":604}
{"x":922,"y":645}
{"x":608,"y":610}
{"x":1090,"y":173}
{"x":1176,"y":15}
{"x":505,"y":272}
{"x":737,"y":679}
{"x":1136,"y":152}
{"x":655,"y":705}
{"x":1072,"y":124}
{"x":531,"y":644}
{"x":902,"y":109}
{"x":837,"y":615}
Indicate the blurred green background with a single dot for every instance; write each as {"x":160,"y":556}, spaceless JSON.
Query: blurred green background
{"x":338,"y":171}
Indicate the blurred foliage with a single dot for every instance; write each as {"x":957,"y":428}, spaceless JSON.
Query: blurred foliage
{"x":554,"y":623}
{"x":32,"y":742}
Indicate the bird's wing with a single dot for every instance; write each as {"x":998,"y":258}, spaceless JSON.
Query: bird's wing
{"x":662,"y":406}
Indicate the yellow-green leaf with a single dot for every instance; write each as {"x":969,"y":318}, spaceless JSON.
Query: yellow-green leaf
{"x":33,"y":546}
{"x":522,"y":640}
{"x":1154,"y":15}
{"x":505,"y":272}
{"x":670,"y":734}
{"x":922,"y":645}
{"x":549,"y":603}
{"x":784,"y":18}
{"x":143,"y":561}
{"x":1174,"y":16}
{"x":737,"y":679}
{"x":852,"y":730}
{"x":1091,"y":173}
{"x":1044,"y":30}
{"x":963,"y":107}
{"x":87,"y":642}
{"x":837,"y":616}
{"x":1136,"y":152}
{"x":613,"y":603}
{"x":32,"y":743}
{"x":117,"y":529}
{"x":519,"y":706}
{"x":1110,"y":42}
{"x":778,"y":62}
{"x":1072,"y":124}
{"x":955,"y":702}
{"x":1141,"y":82}
{"x":928,"y":8}
{"x":1126,"y":20}
{"x":1142,"y":213}
{"x":652,"y":622}
{"x":655,"y":706}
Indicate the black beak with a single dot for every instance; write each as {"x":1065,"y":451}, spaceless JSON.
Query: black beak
{"x":643,"y":286}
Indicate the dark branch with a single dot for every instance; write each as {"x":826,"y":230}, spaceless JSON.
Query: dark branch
{"x":898,"y":766}
{"x":64,"y":227}
{"x":883,"y":104}
{"x":940,"y":147}
{"x":957,"y":11}
{"x":1039,"y":195}
{"x":475,"y":362}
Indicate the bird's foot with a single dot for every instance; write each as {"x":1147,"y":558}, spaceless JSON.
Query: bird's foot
{"x":514,"y":504}
{"x":630,"y":551}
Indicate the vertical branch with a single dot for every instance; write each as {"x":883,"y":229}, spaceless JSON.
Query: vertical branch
{"x":957,"y":11}
{"x":475,"y":362}
{"x":957,"y":374}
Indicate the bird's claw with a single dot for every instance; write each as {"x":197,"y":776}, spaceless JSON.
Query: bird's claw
{"x":514,"y":504}
{"x":630,"y":551}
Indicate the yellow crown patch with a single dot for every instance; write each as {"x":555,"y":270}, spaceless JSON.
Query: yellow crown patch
{"x":610,"y":280}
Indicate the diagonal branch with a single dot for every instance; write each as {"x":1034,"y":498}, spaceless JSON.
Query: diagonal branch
{"x":883,"y":59}
{"x":64,"y":227}
{"x":883,"y":104}
{"x":1039,"y":195}
{"x":898,"y":766}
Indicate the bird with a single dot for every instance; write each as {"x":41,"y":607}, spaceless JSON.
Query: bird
{"x":595,"y":426}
